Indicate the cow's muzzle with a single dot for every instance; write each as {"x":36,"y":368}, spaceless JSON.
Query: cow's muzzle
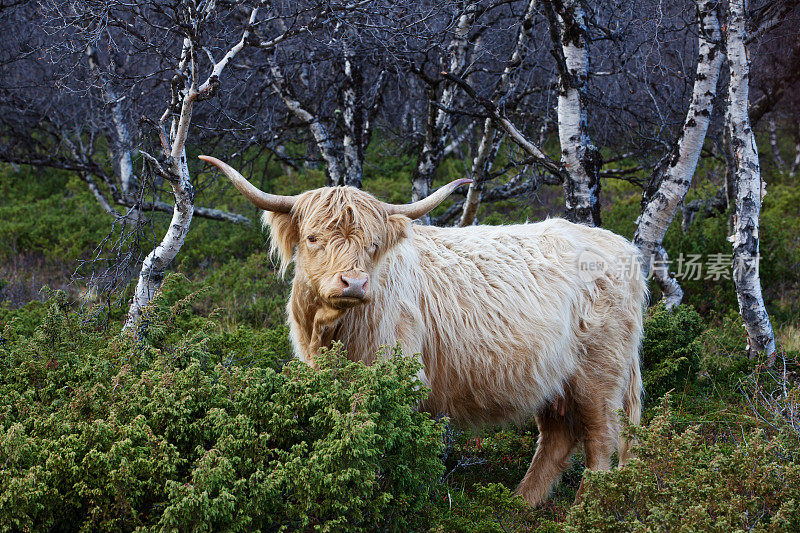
{"x":353,"y":287}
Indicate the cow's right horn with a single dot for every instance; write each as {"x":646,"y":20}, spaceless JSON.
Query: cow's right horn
{"x":259,"y":198}
{"x":422,"y":207}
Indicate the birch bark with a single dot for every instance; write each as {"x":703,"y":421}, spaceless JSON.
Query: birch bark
{"x":439,"y":121}
{"x":672,"y":178}
{"x":122,"y":145}
{"x":352,"y":118}
{"x":750,"y":189}
{"x":177,"y":172}
{"x":773,"y":144}
{"x":481,"y":165}
{"x":582,"y":160}
{"x":796,"y":163}
{"x":324,"y":141}
{"x":489,"y":143}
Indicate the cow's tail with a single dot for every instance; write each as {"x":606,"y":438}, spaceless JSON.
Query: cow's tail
{"x":632,"y":400}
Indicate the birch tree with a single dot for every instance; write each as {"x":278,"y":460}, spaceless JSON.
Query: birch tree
{"x":439,"y":121}
{"x":749,"y":187}
{"x":342,"y":134}
{"x":777,"y":159}
{"x":581,"y":158}
{"x":796,"y":163}
{"x":673,"y":175}
{"x":172,"y":165}
{"x":490,"y":137}
{"x":122,"y":145}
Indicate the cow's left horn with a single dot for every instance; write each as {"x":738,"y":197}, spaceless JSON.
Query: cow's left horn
{"x":422,"y":207}
{"x":259,"y":198}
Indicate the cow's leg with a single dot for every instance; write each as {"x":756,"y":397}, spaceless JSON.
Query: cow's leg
{"x":600,"y":429}
{"x":557,"y":438}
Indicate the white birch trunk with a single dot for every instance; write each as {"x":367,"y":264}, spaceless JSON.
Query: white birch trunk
{"x":796,"y":164}
{"x":458,"y":140}
{"x":750,"y":190}
{"x":122,"y":145}
{"x":439,"y":121}
{"x":98,"y":195}
{"x":678,"y":169}
{"x":352,"y":119}
{"x":155,"y":264}
{"x":582,"y":160}
{"x":489,"y":143}
{"x":124,"y":148}
{"x":324,"y":142}
{"x":287,"y":169}
{"x":481,"y":164}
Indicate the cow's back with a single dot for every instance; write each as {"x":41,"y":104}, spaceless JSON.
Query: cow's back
{"x":501,"y":314}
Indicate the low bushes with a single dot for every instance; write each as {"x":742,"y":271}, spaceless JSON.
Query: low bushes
{"x":203,"y":426}
{"x":671,"y":349}
{"x":686,"y":478}
{"x":203,"y":429}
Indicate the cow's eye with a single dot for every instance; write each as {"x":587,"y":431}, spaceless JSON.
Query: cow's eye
{"x":312,"y":238}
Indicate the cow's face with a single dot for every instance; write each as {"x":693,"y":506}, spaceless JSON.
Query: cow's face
{"x":337,"y":237}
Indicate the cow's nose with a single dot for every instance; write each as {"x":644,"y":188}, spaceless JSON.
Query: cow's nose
{"x":355,"y":287}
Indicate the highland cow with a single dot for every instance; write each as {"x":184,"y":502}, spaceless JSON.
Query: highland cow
{"x":541,"y":319}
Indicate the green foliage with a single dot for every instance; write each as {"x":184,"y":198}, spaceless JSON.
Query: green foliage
{"x":724,"y":350}
{"x":686,"y":478}
{"x":211,"y":243}
{"x":201,"y":425}
{"x":779,"y":266}
{"x":241,"y":291}
{"x":671,"y":349}
{"x":195,"y":427}
{"x":49,"y":214}
{"x":494,"y":508}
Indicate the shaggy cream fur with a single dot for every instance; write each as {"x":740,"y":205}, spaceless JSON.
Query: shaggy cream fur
{"x":506,"y":320}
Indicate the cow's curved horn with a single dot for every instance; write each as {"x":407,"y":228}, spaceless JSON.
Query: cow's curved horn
{"x":422,"y":207}
{"x":259,"y":198}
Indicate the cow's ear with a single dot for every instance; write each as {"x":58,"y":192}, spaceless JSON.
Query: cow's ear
{"x":397,"y":229}
{"x":284,"y":236}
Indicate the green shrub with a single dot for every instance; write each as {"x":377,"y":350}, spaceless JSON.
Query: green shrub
{"x":687,"y":479}
{"x":249,"y":291}
{"x":724,"y":349}
{"x":779,"y":266}
{"x":53,"y":216}
{"x":671,"y":349}
{"x":494,"y":508}
{"x":195,"y":427}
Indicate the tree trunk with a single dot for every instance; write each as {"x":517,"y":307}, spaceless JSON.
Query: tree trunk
{"x":327,"y":149}
{"x":749,"y":190}
{"x":490,"y":140}
{"x":439,"y":121}
{"x":121,"y":146}
{"x":481,"y":166}
{"x":177,"y":173}
{"x":352,"y":119}
{"x":672,"y":178}
{"x":155,"y":264}
{"x":582,"y":160}
{"x":796,"y":164}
